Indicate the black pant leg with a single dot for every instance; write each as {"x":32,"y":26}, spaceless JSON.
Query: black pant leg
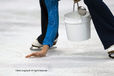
{"x":44,"y":21}
{"x":103,"y":21}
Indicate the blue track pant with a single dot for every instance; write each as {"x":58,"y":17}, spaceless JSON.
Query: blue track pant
{"x":49,"y":22}
{"x":103,"y":21}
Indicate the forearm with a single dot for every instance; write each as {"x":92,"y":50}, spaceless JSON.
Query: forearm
{"x":45,"y":48}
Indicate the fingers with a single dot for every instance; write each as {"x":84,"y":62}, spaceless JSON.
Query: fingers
{"x":35,"y":55}
{"x":30,"y":55}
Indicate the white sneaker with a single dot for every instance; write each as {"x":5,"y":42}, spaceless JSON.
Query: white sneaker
{"x":111,"y":51}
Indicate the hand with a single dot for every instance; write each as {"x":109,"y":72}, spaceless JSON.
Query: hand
{"x":75,"y":1}
{"x":41,"y":53}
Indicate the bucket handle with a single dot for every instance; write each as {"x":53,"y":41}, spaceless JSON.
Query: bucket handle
{"x":75,"y":6}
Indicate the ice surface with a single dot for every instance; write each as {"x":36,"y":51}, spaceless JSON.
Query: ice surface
{"x":20,"y":25}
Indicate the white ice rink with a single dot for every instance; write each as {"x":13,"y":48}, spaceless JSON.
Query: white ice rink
{"x":20,"y":26}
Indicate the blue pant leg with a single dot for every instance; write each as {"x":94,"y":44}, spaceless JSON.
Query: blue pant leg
{"x":44,"y":21}
{"x":103,"y":21}
{"x":53,"y":22}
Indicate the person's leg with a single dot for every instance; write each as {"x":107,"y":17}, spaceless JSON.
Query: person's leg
{"x":53,"y":22}
{"x":52,"y":28}
{"x":103,"y":20}
{"x":44,"y":21}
